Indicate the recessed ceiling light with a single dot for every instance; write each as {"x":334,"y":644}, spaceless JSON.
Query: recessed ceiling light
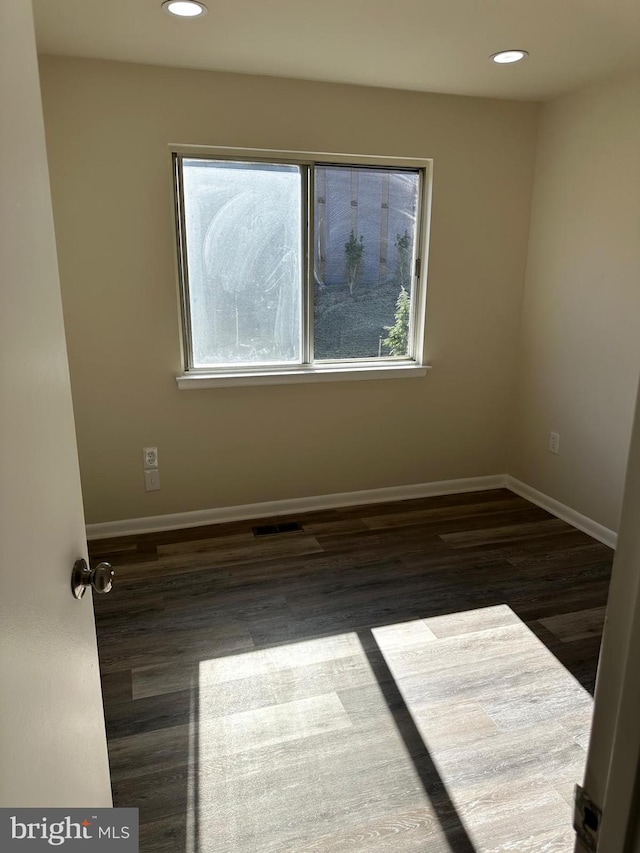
{"x":184,"y":8}
{"x":505,"y":57}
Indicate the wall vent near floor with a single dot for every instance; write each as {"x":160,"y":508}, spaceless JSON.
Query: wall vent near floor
{"x":270,"y":529}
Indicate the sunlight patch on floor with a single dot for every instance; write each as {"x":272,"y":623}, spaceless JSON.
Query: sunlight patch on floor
{"x":455,"y":733}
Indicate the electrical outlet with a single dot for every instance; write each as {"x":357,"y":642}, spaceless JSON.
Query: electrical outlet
{"x":152,"y":480}
{"x":554,"y":442}
{"x":150,"y":457}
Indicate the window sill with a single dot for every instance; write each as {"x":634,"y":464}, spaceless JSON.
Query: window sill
{"x":193,"y":381}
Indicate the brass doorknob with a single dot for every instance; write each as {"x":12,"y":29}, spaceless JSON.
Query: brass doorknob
{"x":100,"y":578}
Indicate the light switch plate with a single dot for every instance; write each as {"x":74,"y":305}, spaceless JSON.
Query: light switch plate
{"x":152,"y":480}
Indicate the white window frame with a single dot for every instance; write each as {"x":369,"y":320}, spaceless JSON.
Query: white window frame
{"x":326,"y":371}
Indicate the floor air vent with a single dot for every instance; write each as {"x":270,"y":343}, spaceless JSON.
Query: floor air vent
{"x":270,"y":529}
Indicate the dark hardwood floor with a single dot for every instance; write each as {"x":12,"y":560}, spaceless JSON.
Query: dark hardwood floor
{"x":398,"y":677}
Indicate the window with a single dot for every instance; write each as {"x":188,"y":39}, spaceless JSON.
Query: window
{"x":299,"y":268}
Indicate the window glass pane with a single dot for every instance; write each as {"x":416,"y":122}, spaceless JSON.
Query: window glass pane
{"x":365,"y":234}
{"x":243,"y":225}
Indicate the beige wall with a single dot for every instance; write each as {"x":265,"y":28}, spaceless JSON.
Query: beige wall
{"x":581,"y":316}
{"x":108,"y":129}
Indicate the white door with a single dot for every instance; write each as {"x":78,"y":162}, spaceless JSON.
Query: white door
{"x":613,"y":762}
{"x":52,"y":737}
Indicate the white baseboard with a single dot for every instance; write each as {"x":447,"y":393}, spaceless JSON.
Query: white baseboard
{"x":218,"y":515}
{"x":290,"y":506}
{"x":571,"y":516}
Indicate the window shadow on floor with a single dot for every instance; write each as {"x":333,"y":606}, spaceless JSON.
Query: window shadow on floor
{"x":450,"y":821}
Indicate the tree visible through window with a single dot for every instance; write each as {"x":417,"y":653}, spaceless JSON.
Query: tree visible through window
{"x":261,"y":289}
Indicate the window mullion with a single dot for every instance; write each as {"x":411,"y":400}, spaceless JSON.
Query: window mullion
{"x":309,"y":206}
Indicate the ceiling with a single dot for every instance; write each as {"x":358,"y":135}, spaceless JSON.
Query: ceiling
{"x":425,"y":45}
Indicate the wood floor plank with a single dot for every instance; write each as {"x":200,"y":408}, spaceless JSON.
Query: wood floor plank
{"x":541,"y":749}
{"x":407,"y":518}
{"x":470,"y":621}
{"x":283,"y":657}
{"x":401,"y":634}
{"x":153,"y":751}
{"x":117,"y":686}
{"x":149,"y":714}
{"x":440,"y":724}
{"x":505,"y":674}
{"x":470,"y":650}
{"x":521,"y":707}
{"x":165,"y":792}
{"x":169,"y":834}
{"x":560,"y":840}
{"x":185,"y":646}
{"x":490,"y":534}
{"x":525,"y":828}
{"x":226,"y":554}
{"x":419,"y":826}
{"x":342,"y":792}
{"x":270,"y":725}
{"x":570,"y":627}
{"x":283,"y":685}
